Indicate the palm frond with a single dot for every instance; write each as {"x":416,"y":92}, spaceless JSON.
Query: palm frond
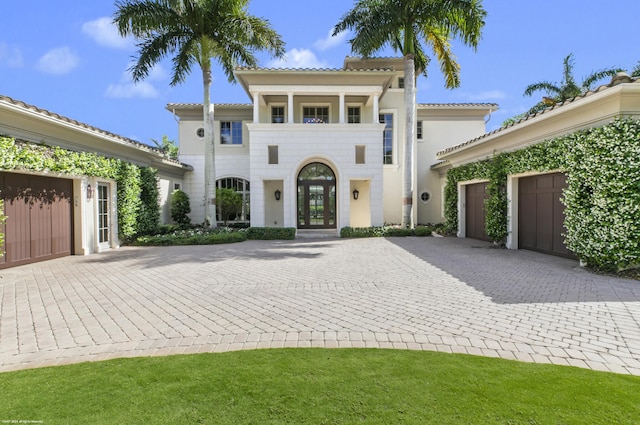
{"x":439,"y":40}
{"x":591,"y":79}
{"x":547,"y":87}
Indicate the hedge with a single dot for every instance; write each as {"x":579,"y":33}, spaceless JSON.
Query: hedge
{"x":384,"y":231}
{"x":271,"y":233}
{"x":602,"y":200}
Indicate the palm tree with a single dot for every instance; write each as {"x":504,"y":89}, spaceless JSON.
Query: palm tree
{"x":405,"y":25}
{"x":196,"y":31}
{"x":567,"y":88}
{"x":635,"y":72}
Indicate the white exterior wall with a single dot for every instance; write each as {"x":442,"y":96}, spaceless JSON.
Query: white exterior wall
{"x":439,"y":133}
{"x":393,"y":102}
{"x":302,"y":144}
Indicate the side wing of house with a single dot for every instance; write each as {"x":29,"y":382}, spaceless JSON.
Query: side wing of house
{"x":51,"y":214}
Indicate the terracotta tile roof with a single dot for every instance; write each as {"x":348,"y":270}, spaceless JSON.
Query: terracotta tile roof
{"x":199,"y":105}
{"x":244,"y":68}
{"x":618,"y":79}
{"x":45,"y":113}
{"x":458,"y":105}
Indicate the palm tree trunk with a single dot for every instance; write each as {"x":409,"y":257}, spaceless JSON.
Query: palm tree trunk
{"x":209,"y":151}
{"x":407,"y":170}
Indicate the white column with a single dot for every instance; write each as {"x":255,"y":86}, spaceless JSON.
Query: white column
{"x":376,"y":109}
{"x":290,"y":108}
{"x":341,"y":119}
{"x":256,"y":107}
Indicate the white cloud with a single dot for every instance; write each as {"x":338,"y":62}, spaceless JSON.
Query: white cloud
{"x":104,"y":32}
{"x":484,"y":96}
{"x":10,"y":56}
{"x":58,"y":61}
{"x":330,"y":41}
{"x":143,"y":89}
{"x":299,"y":58}
{"x":126,"y":89}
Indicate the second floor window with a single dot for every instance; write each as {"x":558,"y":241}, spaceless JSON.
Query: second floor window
{"x":353,"y":115}
{"x":419,"y":130}
{"x":387,"y":138}
{"x":315,"y":114}
{"x":277,"y":114}
{"x":231,"y":132}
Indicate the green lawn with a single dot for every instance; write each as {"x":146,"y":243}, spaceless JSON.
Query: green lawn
{"x":318,"y":386}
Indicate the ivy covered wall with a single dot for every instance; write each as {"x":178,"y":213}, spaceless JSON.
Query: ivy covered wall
{"x":602,"y":201}
{"x":137,"y":193}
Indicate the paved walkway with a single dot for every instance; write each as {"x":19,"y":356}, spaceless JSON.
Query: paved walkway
{"x":441,"y":294}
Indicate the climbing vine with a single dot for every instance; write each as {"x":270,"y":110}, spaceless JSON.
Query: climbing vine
{"x":133,"y":181}
{"x":602,"y":200}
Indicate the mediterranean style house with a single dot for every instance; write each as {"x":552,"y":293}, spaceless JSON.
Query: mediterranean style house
{"x":313,"y":149}
{"x":323,"y":148}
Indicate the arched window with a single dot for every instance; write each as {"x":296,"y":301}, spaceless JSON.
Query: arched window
{"x":241,"y":186}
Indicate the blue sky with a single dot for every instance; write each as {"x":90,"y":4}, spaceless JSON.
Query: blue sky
{"x":64,"y":56}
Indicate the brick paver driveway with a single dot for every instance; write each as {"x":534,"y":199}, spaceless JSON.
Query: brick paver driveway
{"x":443,"y":294}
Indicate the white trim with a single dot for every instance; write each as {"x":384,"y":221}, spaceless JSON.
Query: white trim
{"x":311,"y":89}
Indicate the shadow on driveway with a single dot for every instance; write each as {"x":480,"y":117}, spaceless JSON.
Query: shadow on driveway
{"x":518,"y":276}
{"x":150,"y":257}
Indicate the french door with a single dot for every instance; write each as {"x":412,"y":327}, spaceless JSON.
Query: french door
{"x":317,"y":205}
{"x":316,"y":197}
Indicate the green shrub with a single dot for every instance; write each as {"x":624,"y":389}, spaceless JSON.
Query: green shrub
{"x":180,"y":207}
{"x":396,"y":231}
{"x":362,"y":232}
{"x":192,"y":237}
{"x":423,"y":231}
{"x":149,"y":214}
{"x":271,"y":233}
{"x":383,"y":231}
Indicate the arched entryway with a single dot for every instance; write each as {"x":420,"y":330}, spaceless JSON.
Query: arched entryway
{"x":316,"y":197}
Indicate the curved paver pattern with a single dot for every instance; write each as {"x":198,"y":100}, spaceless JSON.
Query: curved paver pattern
{"x":441,"y":294}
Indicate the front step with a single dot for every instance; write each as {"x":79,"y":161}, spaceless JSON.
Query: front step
{"x":316,"y":233}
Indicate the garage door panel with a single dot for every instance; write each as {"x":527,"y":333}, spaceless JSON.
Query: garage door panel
{"x":544,"y":220}
{"x":17,"y":236}
{"x":527,"y":219}
{"x":39,"y":218}
{"x":475,"y":211}
{"x":61,"y":220}
{"x":541,"y":214}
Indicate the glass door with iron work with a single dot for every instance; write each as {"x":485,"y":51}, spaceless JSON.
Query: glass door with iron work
{"x":316,"y":197}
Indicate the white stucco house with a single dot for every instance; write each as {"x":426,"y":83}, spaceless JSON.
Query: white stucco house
{"x":322,"y":148}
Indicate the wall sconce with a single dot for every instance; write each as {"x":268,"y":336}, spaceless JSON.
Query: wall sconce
{"x":356,"y":193}
{"x":89,"y":192}
{"x":278,"y":194}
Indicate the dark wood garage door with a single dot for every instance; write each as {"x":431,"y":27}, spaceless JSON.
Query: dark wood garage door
{"x":39,"y":218}
{"x":475,"y":212}
{"x":541,"y":214}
